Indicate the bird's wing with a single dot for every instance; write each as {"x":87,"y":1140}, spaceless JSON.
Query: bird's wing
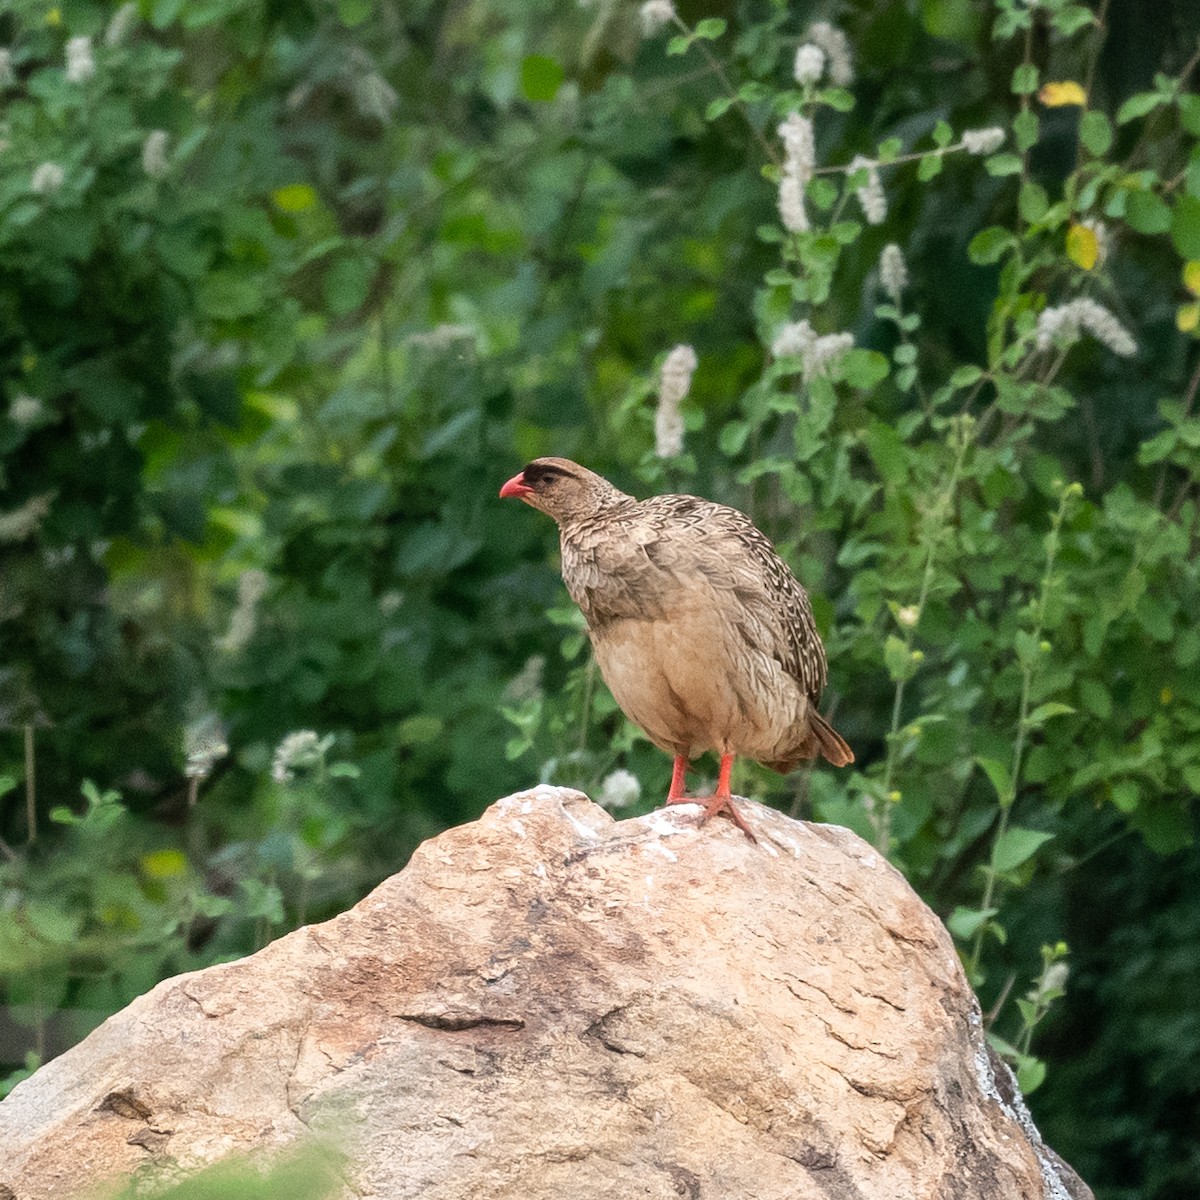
{"x":774,"y":599}
{"x":639,"y":560}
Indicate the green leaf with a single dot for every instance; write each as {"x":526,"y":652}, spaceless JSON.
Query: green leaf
{"x":207,"y":905}
{"x":1001,"y":778}
{"x":1031,"y":1073}
{"x":1126,"y":795}
{"x":863,"y":369}
{"x":7,"y":783}
{"x":541,"y":77}
{"x":711,"y":28}
{"x":1003,"y":164}
{"x":1032,"y":202}
{"x":964,"y":923}
{"x":898,"y":658}
{"x":1165,"y":824}
{"x":823,"y":193}
{"x":1071,"y":18}
{"x":838,"y":99}
{"x":1185,"y":226}
{"x":989,"y":245}
{"x":1044,"y":712}
{"x":1025,"y":80}
{"x":1189,"y":113}
{"x":732,"y":437}
{"x":353,"y":13}
{"x":231,"y":294}
{"x":1095,"y":133}
{"x":718,"y":107}
{"x":1028,"y":648}
{"x":1147,"y":213}
{"x":943,"y":134}
{"x":261,"y":900}
{"x":347,"y":283}
{"x":954,"y":20}
{"x":1138,"y":106}
{"x":1096,"y":698}
{"x":929,"y":167}
{"x":887,"y":451}
{"x":1015,"y":846}
{"x":295,"y":197}
{"x":1026,"y":126}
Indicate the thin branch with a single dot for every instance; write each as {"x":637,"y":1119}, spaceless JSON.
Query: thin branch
{"x":730,"y":91}
{"x":30,"y":787}
{"x":1189,"y":398}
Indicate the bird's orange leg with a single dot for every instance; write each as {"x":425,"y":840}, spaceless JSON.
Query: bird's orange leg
{"x":722,"y":801}
{"x":678,"y":780}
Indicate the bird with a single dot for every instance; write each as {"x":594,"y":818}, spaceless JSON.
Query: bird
{"x":702,"y":633}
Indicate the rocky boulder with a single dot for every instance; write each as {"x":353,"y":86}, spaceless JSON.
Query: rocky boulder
{"x":549,"y":1003}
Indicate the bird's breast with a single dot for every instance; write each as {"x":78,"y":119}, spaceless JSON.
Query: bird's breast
{"x":693,"y":682}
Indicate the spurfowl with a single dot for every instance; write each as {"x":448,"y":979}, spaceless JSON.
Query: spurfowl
{"x":704,"y":636}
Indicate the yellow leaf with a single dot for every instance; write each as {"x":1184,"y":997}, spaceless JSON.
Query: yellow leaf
{"x":1187,"y":318}
{"x":1056,"y":95}
{"x":54,"y":17}
{"x":295,"y":198}
{"x":1083,"y":247}
{"x":1191,"y":277}
{"x":164,"y":864}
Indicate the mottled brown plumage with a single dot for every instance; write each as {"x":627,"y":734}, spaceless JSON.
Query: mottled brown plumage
{"x":704,"y":636}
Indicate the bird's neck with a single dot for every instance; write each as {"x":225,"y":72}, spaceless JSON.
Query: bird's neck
{"x":578,"y":525}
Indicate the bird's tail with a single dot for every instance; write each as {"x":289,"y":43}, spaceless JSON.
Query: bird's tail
{"x":830,"y":743}
{"x":820,"y":739}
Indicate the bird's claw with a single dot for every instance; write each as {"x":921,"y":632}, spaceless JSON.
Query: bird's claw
{"x":712,"y":806}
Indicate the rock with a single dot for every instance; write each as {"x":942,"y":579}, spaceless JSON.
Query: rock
{"x":548,"y":1003}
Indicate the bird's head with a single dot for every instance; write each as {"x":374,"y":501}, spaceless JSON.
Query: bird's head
{"x":562,"y":489}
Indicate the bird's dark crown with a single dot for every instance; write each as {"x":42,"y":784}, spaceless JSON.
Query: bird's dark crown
{"x":544,"y":471}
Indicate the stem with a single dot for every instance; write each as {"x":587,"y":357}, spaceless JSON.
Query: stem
{"x":882,"y":164}
{"x":302,"y":900}
{"x":1101,"y":28}
{"x":905,"y":340}
{"x":385,"y":363}
{"x":589,"y":686}
{"x":1027,"y":674}
{"x":1189,"y":398}
{"x":989,"y":1018}
{"x":883,"y":838}
{"x":193,"y":835}
{"x":719,"y":71}
{"x":800,"y":798}
{"x":30,"y":787}
{"x":1026,"y":60}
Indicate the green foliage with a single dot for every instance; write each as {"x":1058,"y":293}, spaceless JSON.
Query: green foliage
{"x":303,"y":283}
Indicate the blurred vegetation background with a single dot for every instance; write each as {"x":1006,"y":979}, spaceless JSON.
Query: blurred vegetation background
{"x":288,"y":289}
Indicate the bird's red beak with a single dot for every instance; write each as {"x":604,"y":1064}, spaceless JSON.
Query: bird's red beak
{"x":517,"y":486}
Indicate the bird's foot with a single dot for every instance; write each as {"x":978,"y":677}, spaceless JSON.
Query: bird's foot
{"x":719,"y":803}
